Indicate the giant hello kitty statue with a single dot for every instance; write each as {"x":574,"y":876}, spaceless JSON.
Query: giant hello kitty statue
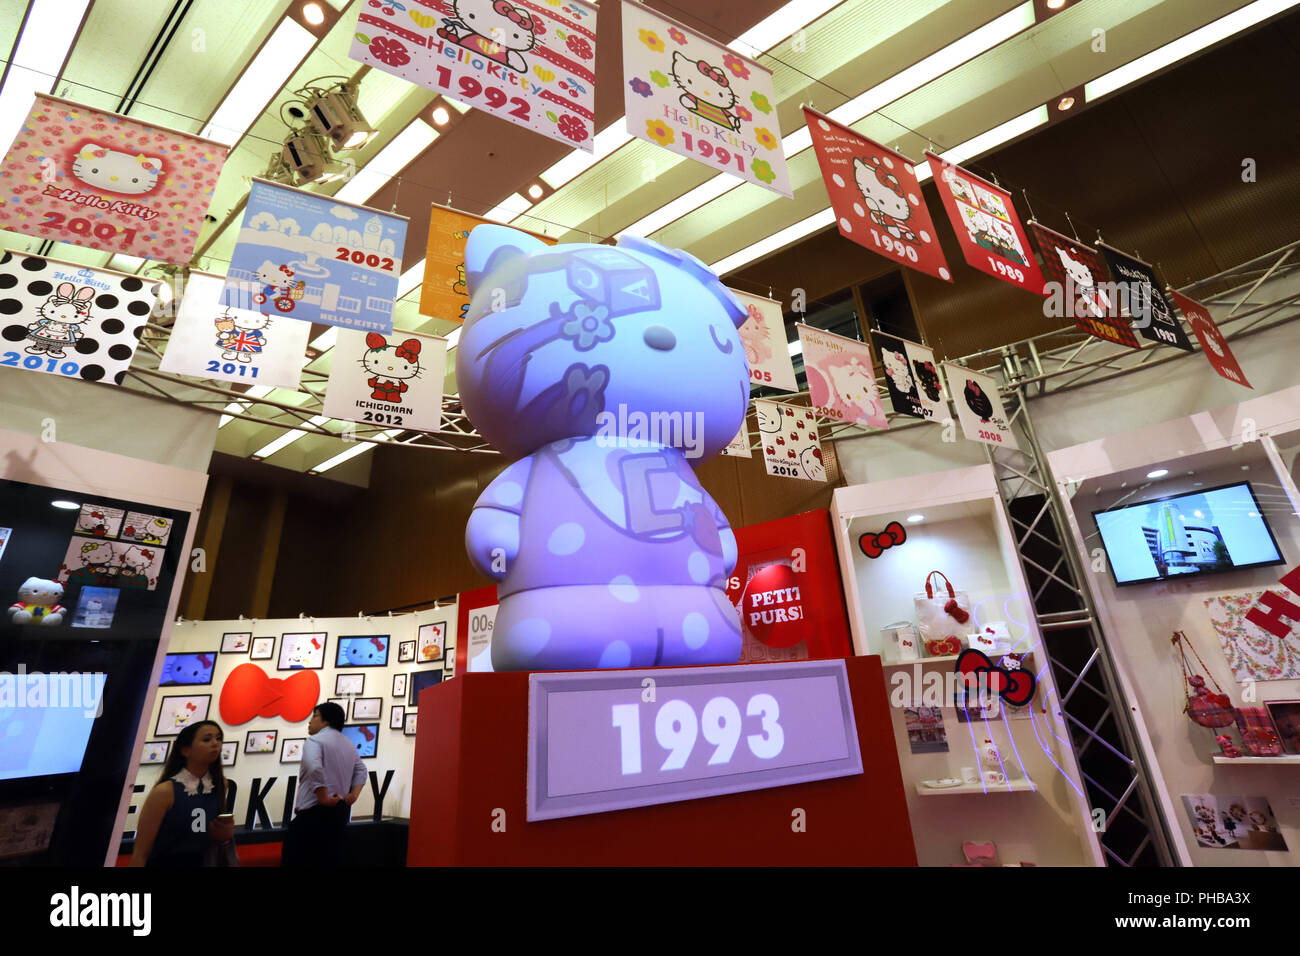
{"x":606,"y":372}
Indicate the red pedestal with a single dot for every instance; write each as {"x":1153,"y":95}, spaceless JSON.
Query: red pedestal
{"x":471,"y":766}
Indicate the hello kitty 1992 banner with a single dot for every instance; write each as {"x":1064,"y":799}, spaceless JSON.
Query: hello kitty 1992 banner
{"x":392,"y":381}
{"x":93,"y":178}
{"x":841,"y":382}
{"x":309,"y":257}
{"x":531,"y":64}
{"x":701,"y":100}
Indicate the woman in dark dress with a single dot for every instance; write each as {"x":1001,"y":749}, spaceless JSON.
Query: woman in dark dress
{"x":179,"y":819}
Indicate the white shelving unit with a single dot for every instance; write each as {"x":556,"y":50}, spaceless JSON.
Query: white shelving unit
{"x":989,"y":789}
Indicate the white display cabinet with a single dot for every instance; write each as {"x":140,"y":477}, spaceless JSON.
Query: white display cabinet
{"x":958,"y":525}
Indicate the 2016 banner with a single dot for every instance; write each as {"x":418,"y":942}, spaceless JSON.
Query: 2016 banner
{"x":763,"y":335}
{"x":987,"y":226}
{"x":841,"y":382}
{"x":700,"y":100}
{"x":94,"y":178}
{"x":791,"y":445}
{"x":1077,"y":289}
{"x":67,"y":320}
{"x":312,"y":258}
{"x":1207,"y":332}
{"x":914,"y":383}
{"x":531,"y":64}
{"x":444,"y":293}
{"x":213,"y":341}
{"x":979,"y":407}
{"x":393,"y":380}
{"x":876,"y":196}
{"x":1142,"y":300}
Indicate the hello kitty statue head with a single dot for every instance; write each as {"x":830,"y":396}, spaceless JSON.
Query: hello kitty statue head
{"x":896,"y":368}
{"x":68,"y":305}
{"x":881,"y":190}
{"x":499,"y":21}
{"x":102,"y":168}
{"x":704,"y":81}
{"x":395,"y":362}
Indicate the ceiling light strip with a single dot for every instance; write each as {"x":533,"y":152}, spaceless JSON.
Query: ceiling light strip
{"x":358,"y":448}
{"x":51,"y":28}
{"x":262,"y":80}
{"x":288,"y":438}
{"x":404,"y":148}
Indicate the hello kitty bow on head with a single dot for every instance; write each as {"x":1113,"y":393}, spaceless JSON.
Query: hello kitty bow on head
{"x":889,"y":180}
{"x":513,"y":14}
{"x":409,"y":350}
{"x":287,"y":271}
{"x":714,"y":73}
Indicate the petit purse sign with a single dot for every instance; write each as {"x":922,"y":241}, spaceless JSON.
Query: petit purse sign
{"x":600,"y":741}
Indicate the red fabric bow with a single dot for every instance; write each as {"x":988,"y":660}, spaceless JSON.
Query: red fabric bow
{"x":249,"y":692}
{"x":409,"y":350}
{"x":873,"y":544}
{"x":714,"y":73}
{"x":1015,"y":687}
{"x":889,"y":181}
{"x":513,"y":14}
{"x":287,"y":271}
{"x":956,"y":612}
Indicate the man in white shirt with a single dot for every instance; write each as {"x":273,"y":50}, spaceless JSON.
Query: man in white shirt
{"x":330,"y":778}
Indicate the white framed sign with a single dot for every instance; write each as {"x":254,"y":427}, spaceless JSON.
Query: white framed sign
{"x":391,"y":380}
{"x":979,"y":407}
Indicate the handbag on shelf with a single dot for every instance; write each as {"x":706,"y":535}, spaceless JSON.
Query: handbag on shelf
{"x":1204,"y":708}
{"x":945,"y":614}
{"x":1258,"y":736}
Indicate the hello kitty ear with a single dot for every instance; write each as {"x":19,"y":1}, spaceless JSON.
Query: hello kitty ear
{"x":64,"y":291}
{"x":86,"y":294}
{"x":489,"y":247}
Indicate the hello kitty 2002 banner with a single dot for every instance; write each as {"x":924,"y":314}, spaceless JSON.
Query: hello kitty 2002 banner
{"x":391,"y":381}
{"x":93,"y":178}
{"x":531,"y":64}
{"x":701,"y":100}
{"x":841,"y":383}
{"x":308,"y":257}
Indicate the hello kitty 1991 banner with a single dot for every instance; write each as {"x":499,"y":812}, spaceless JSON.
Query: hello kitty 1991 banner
{"x":308,"y":257}
{"x":394,"y":380}
{"x":841,"y":382}
{"x":93,"y":178}
{"x":701,"y":100}
{"x":531,"y":64}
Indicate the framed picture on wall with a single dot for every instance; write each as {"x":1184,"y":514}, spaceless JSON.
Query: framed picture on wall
{"x":365,"y":737}
{"x":343,"y":702}
{"x":349,"y":685}
{"x":366,"y":708}
{"x":419,"y":681}
{"x":177,"y":713}
{"x":1286,"y":718}
{"x":291,"y":749}
{"x":263,"y":648}
{"x":408,"y":729}
{"x":367,"y":651}
{"x":302,"y":651}
{"x":432,"y":638}
{"x":405,"y":652}
{"x":236,"y":643}
{"x":155,"y":751}
{"x":229,"y":751}
{"x":396,"y":717}
{"x":260,"y":741}
{"x":399,"y":685}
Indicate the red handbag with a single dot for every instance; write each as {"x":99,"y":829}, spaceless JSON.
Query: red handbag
{"x":1203,"y":707}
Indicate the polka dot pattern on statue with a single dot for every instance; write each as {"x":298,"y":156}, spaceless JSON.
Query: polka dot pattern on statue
{"x":530,"y":636}
{"x":624,"y":589}
{"x":566,"y":539}
{"x":697,"y":566}
{"x":508,"y":493}
{"x":617,"y":654}
{"x":695,"y":630}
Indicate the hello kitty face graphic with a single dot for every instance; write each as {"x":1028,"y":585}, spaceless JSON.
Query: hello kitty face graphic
{"x":269,"y":273}
{"x":769,"y":419}
{"x":391,"y":362}
{"x":884,"y":196}
{"x":136,"y":559}
{"x":753,"y":335}
{"x":1079,"y":273}
{"x":250,"y":321}
{"x":811,"y":460}
{"x":896,"y":368}
{"x":706,"y":91}
{"x":96,"y":555}
{"x":855,"y":385}
{"x":93,"y":522}
{"x":495,"y":29}
{"x":102,"y":168}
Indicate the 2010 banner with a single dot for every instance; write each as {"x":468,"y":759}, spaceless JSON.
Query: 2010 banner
{"x":841,"y":382}
{"x":531,"y":64}
{"x":700,"y":100}
{"x":914,"y":383}
{"x":390,"y":380}
{"x":444,"y":291}
{"x":1215,"y":346}
{"x":979,"y":407}
{"x":94,"y":178}
{"x":313,"y":258}
{"x":1078,"y":287}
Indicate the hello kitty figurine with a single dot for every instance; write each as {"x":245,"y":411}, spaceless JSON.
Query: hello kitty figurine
{"x":60,"y":319}
{"x":885,"y":198}
{"x":391,"y":367}
{"x":38,"y":603}
{"x":494,"y":29}
{"x":246,"y":337}
{"x":896,"y":368}
{"x":102,"y":168}
{"x":606,"y":549}
{"x":706,"y":92}
{"x":990,"y":758}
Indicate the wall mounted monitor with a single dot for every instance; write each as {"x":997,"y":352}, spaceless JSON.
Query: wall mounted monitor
{"x":181,"y":669}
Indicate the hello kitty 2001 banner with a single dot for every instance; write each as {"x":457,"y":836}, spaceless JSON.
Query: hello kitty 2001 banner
{"x":308,"y":257}
{"x":391,"y":381}
{"x":530,"y":63}
{"x":701,"y":100}
{"x":93,"y":178}
{"x":841,"y":383}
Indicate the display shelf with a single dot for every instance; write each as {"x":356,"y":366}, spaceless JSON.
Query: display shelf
{"x":1285,"y":758}
{"x":1010,"y":787}
{"x":946,"y":658}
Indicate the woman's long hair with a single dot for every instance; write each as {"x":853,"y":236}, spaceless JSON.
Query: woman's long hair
{"x":176,"y":760}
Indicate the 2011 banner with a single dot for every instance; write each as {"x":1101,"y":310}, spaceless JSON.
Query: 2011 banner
{"x":531,"y":64}
{"x":841,"y":382}
{"x":391,"y":380}
{"x":313,"y":258}
{"x":94,"y":178}
{"x":700,"y":100}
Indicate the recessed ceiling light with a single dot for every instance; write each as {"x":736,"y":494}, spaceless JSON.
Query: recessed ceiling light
{"x":913,"y":519}
{"x":1055,"y":4}
{"x":1158,"y":473}
{"x":440,"y":116}
{"x":1064,"y":103}
{"x":66,"y":505}
{"x":535,"y":191}
{"x":313,"y":14}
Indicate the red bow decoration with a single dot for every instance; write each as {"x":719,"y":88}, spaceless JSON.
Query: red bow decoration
{"x":943,"y":648}
{"x":513,"y":14}
{"x":367,"y":732}
{"x":379,"y":644}
{"x":249,"y":692}
{"x":873,"y":544}
{"x":147,"y":553}
{"x":714,"y":73}
{"x":1015,"y":687}
{"x":956,"y":612}
{"x":409,"y":350}
{"x":287,"y":271}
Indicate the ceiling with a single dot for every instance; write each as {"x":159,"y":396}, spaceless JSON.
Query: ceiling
{"x":941,"y":72}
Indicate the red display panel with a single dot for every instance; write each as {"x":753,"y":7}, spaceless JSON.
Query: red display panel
{"x":987,"y":226}
{"x":1077,"y":273}
{"x":1212,"y":341}
{"x":876,"y":197}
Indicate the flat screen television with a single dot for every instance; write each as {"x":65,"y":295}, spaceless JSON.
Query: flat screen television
{"x":48,"y":730}
{"x":181,"y":669}
{"x":1202,"y":532}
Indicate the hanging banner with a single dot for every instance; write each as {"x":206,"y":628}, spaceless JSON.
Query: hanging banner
{"x":93,"y":178}
{"x":915,"y":386}
{"x":1214,"y":345}
{"x":791,"y":446}
{"x":1077,"y":288}
{"x":979,"y":407}
{"x":987,"y":227}
{"x":763,"y":335}
{"x":315,"y":259}
{"x":213,"y":341}
{"x":700,"y":100}
{"x":738,"y":447}
{"x":531,"y":64}
{"x":66,"y":320}
{"x":841,"y":380}
{"x":1142,"y":300}
{"x":443,"y":290}
{"x":393,"y":380}
{"x":876,"y":196}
